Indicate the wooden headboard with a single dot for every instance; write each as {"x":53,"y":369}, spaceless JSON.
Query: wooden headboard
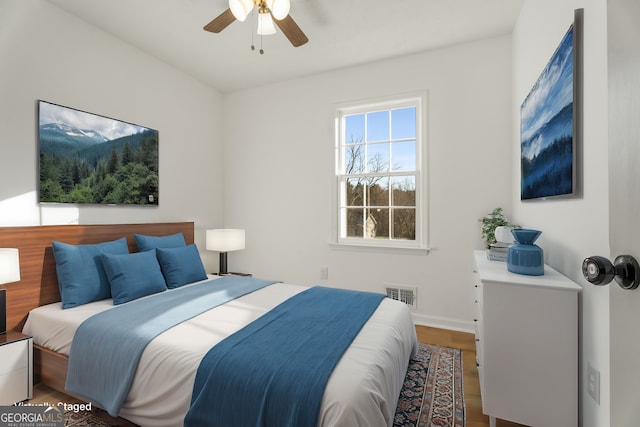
{"x":39,"y":283}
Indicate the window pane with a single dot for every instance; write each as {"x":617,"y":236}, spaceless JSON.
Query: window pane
{"x":404,"y":190}
{"x":378,"y":126}
{"x":354,"y":128}
{"x":404,"y":224}
{"x":354,"y":192}
{"x":355,"y":221}
{"x":354,"y":158}
{"x":377,"y":224}
{"x":403,"y":155}
{"x":377,"y":158}
{"x":378,"y":191}
{"x":403,"y":123}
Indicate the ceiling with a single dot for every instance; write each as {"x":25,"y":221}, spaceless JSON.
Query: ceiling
{"x":342,"y":33}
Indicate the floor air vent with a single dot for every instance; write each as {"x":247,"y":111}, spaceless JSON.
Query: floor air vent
{"x":405,"y":294}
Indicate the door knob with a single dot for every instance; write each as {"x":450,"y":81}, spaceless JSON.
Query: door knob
{"x":600,"y":271}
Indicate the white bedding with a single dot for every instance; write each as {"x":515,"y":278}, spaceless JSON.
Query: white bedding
{"x":362,"y":391}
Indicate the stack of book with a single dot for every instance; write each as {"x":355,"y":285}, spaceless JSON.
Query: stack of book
{"x":498,"y":251}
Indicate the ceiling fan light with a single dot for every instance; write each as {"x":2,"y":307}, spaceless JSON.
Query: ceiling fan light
{"x":265,"y":24}
{"x":279,"y":8}
{"x":240,"y":8}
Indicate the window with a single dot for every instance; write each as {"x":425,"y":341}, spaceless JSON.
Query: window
{"x":378,"y":170}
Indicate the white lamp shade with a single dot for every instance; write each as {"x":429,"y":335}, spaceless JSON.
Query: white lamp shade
{"x":225,"y":240}
{"x":240,"y":8}
{"x":9,"y":265}
{"x":279,"y":8}
{"x":265,"y":24}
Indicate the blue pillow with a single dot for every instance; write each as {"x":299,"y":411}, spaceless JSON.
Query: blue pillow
{"x":146,"y":243}
{"x":133,"y":276}
{"x":81,"y":276}
{"x":181,"y":265}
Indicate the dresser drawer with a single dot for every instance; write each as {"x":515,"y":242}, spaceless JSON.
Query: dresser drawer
{"x":14,"y":387}
{"x":14,"y":356}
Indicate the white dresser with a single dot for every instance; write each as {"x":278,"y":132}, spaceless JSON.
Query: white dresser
{"x":16,"y":368}
{"x":527,"y":345}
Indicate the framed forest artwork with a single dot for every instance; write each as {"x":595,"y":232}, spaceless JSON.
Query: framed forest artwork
{"x":550,"y":124}
{"x":86,"y":158}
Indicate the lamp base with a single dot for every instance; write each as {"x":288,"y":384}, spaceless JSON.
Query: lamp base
{"x":223,"y":263}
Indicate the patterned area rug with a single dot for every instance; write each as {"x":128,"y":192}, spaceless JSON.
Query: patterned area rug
{"x":95,"y":417}
{"x":432,"y":394}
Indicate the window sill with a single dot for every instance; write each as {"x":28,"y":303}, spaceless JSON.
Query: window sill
{"x":379,"y":249}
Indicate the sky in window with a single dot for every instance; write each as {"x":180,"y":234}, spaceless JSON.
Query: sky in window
{"x":380,"y":129}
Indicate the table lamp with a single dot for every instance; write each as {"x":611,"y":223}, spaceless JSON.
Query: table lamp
{"x":9,"y":272}
{"x":225,"y":240}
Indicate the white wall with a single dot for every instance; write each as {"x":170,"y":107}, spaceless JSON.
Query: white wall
{"x":48,"y":54}
{"x":575,"y":228}
{"x":279,"y":172}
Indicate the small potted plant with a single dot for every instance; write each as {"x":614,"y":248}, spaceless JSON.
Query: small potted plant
{"x":489,"y":224}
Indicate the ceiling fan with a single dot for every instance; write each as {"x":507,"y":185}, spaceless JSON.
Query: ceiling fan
{"x":269,"y":11}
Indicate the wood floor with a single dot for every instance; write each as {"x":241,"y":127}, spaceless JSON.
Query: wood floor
{"x":464,"y":341}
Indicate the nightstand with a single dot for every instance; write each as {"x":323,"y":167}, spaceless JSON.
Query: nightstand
{"x":16,"y":369}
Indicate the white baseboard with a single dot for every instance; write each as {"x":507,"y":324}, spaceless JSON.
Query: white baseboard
{"x":443,"y":323}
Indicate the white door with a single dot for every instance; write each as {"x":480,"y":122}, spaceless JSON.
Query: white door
{"x":624,"y":204}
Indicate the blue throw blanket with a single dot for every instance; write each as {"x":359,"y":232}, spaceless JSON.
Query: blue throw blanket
{"x":274,"y":371}
{"x":106,"y":347}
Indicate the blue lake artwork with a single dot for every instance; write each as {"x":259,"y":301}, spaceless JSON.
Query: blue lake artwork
{"x":547,"y":128}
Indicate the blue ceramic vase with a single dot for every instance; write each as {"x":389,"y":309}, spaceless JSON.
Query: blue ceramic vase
{"x":524,"y":257}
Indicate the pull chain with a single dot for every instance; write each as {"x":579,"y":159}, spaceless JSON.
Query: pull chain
{"x":253,"y":24}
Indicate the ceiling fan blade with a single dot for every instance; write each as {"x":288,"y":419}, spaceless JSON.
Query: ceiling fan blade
{"x":221,"y":22}
{"x":291,"y":30}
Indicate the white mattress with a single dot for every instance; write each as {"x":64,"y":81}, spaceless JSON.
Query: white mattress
{"x":362,"y":391}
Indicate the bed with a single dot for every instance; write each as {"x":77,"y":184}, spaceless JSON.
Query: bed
{"x":362,"y":390}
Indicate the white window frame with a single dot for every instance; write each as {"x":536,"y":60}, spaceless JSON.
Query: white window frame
{"x":419,"y":101}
